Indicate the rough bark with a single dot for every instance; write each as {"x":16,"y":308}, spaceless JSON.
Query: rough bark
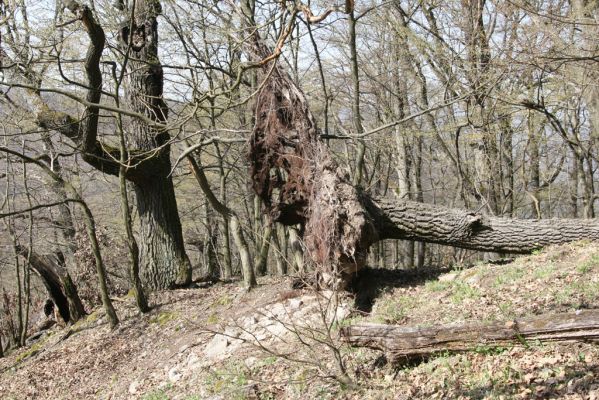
{"x":299,"y":183}
{"x":163,"y":260}
{"x":58,"y":283}
{"x":470,"y":230}
{"x":401,"y":342}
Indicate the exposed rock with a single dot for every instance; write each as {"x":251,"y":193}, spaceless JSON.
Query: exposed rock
{"x":217,"y":346}
{"x":192,"y":360}
{"x":448,"y":277}
{"x":174,"y":375}
{"x":295,"y":304}
{"x":134,"y":387}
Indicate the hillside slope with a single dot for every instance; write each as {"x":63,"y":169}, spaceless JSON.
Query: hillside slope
{"x":224,"y":343}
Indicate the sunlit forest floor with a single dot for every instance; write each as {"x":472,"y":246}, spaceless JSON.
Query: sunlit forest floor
{"x":274,"y":342}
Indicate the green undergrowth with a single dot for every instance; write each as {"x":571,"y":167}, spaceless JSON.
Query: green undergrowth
{"x":555,"y":279}
{"x":31,"y":351}
{"x":164,"y":317}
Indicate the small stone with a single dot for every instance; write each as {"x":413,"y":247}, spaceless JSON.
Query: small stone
{"x":134,"y":387}
{"x":174,"y":375}
{"x":277,"y":330}
{"x":261,"y":335}
{"x":296,"y":303}
{"x":217,"y":346}
{"x":184,"y":348}
{"x":277,"y":310}
{"x":192,"y":359}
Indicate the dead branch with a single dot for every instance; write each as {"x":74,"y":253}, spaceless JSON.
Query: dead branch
{"x":400,"y":342}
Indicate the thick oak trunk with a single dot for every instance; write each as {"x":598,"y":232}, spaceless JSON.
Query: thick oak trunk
{"x":399,"y":219}
{"x":163,"y":260}
{"x":400,"y":342}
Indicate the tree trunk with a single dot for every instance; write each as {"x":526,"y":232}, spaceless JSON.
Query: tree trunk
{"x":297,"y":250}
{"x":469,"y":230}
{"x":299,"y":183}
{"x":90,"y":227}
{"x":227,"y":269}
{"x":163,"y":261}
{"x":279,"y":253}
{"x":261,"y":262}
{"x":211,"y":267}
{"x":247,"y":269}
{"x":401,"y":342}
{"x":55,"y":277}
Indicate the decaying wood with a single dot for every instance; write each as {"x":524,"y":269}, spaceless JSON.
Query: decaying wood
{"x":401,"y":342}
{"x":52,"y":271}
{"x":299,"y":183}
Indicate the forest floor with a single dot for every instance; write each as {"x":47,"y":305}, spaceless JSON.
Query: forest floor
{"x":222,"y":342}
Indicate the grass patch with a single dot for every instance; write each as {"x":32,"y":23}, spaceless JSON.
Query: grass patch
{"x":437,"y":286}
{"x":224,"y":300}
{"x":589,"y":264}
{"x":395,"y":310}
{"x":156,"y":395}
{"x":212,"y":319}
{"x":509,"y":275}
{"x":30,"y":352}
{"x":230,"y":381}
{"x":163,"y":317}
{"x":578,"y":294}
{"x":458,"y":289}
{"x":507,"y":309}
{"x":490,"y":350}
{"x":462,"y":291}
{"x":544,"y":272}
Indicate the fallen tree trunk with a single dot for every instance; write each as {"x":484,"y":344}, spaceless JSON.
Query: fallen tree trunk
{"x":299,"y":182}
{"x":399,"y":219}
{"x":401,"y":342}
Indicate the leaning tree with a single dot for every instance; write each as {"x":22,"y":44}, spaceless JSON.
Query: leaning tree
{"x":299,"y":182}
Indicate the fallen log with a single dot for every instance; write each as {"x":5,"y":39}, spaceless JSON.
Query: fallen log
{"x":401,"y":342}
{"x":294,"y":173}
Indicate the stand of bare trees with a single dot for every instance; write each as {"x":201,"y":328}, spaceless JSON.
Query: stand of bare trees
{"x":319,"y":137}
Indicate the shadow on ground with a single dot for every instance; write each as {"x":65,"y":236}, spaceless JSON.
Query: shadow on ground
{"x":370,"y":283}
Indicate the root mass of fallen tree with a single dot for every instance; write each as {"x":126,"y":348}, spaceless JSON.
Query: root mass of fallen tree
{"x":293,"y":172}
